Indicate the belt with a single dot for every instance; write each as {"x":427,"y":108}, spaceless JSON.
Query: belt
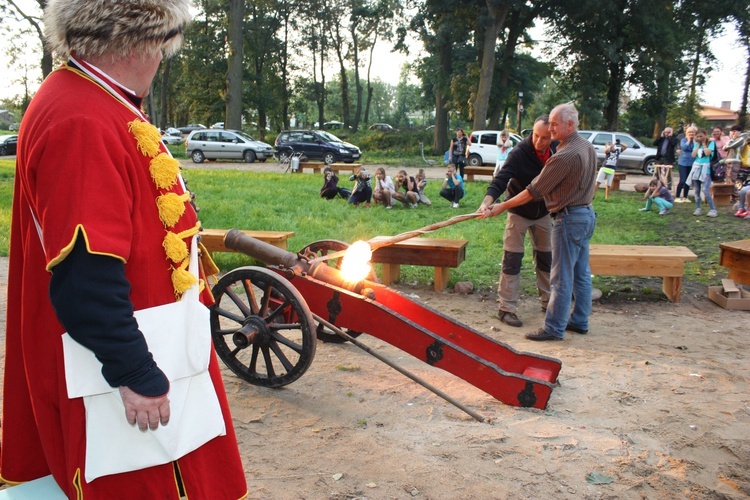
{"x":565,"y":210}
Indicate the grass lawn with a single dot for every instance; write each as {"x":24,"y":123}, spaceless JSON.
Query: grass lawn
{"x":251,"y":200}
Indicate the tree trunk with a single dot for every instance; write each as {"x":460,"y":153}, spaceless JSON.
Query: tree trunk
{"x":345,"y":106}
{"x":743,"y":116}
{"x":440,"y":142}
{"x":163,"y":122}
{"x":611,"y":115}
{"x":370,"y":90}
{"x":233,"y":100}
{"x":497,"y":14}
{"x":357,"y":82}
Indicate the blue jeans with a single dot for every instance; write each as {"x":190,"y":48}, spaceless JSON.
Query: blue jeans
{"x":570,"y":274}
{"x":704,"y":185}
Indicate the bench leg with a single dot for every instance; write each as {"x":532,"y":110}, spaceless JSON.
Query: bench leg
{"x":391,"y":273}
{"x":671,"y":287}
{"x":469,"y":177}
{"x":442,"y":275}
{"x":615,"y":185}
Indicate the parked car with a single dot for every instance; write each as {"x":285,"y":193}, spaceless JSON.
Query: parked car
{"x":218,"y":125}
{"x":483,"y":146}
{"x":383,"y":127}
{"x":316,"y":145}
{"x":636,"y":156}
{"x":172,"y":131}
{"x":226,"y":144}
{"x":333,"y":125}
{"x":189,"y":128}
{"x":174,"y":140}
{"x":8,"y":144}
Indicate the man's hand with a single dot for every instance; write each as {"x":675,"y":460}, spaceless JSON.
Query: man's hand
{"x":146,"y":412}
{"x":490,"y":211}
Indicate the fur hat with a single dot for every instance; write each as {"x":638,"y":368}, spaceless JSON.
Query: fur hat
{"x":115,"y":27}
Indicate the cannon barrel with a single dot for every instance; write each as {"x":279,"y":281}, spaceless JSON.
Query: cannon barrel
{"x":299,"y":265}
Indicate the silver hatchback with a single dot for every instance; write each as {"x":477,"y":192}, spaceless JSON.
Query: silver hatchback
{"x":637,"y":155}
{"x":226,"y":144}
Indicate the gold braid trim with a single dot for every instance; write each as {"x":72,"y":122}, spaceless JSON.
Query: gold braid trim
{"x":147,"y":136}
{"x":171,"y":207}
{"x":175,"y":246}
{"x":182,"y":279}
{"x":164,"y":170}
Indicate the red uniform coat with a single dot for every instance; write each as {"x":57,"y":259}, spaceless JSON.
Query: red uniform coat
{"x":80,"y":171}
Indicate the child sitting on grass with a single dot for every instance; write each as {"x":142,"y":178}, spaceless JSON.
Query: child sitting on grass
{"x":384,"y":188}
{"x":659,"y":195}
{"x":362,"y":189}
{"x":330,"y":186}
{"x":421,"y":184}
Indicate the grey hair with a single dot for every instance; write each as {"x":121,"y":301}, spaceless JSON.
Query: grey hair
{"x":568,"y":113}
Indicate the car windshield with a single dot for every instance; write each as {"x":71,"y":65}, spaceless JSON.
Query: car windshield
{"x":244,"y":136}
{"x":328,"y":136}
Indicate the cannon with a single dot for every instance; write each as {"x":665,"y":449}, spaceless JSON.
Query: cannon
{"x":264,"y":326}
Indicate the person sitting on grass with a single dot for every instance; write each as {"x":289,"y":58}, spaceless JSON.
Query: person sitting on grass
{"x":384,"y":188}
{"x":410,"y":196}
{"x":362,"y":189}
{"x":658,"y":195}
{"x":330,"y":186}
{"x":453,"y":186}
{"x":421,"y":184}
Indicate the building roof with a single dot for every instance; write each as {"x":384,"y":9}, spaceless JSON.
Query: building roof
{"x":714,"y":114}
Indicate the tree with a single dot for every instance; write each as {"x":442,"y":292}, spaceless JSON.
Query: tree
{"x":233,"y":98}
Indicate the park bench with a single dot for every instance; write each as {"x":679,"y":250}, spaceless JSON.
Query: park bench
{"x":470,"y":172}
{"x":643,"y":260}
{"x":439,"y":253}
{"x":619,"y":176}
{"x":722,"y":194}
{"x":213,"y":239}
{"x":317,"y":166}
{"x":735,"y":255}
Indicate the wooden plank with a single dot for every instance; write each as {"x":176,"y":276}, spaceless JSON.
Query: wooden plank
{"x":722,"y":194}
{"x":423,"y":252}
{"x":213,"y":239}
{"x":739,"y":246}
{"x":653,"y":251}
{"x":735,"y":255}
{"x":470,"y":172}
{"x":636,"y":267}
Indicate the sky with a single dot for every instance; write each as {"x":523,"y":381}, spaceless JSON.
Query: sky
{"x":724,"y":84}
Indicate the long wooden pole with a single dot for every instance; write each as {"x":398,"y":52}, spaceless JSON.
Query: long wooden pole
{"x":380,"y":242}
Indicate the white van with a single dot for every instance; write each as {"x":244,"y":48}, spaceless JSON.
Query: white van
{"x":483,"y":146}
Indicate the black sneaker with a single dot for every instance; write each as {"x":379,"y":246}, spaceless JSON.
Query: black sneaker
{"x":572,"y":328}
{"x":541,"y":335}
{"x":509,"y":318}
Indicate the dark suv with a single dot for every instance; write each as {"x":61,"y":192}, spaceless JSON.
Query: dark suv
{"x":316,"y":145}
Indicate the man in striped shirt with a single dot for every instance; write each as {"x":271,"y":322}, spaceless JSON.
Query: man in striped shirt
{"x":567,"y":186}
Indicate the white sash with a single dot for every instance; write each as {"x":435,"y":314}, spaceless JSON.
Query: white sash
{"x":179,"y":337}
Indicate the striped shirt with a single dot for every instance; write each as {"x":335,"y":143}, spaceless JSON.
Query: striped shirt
{"x":568,"y":177}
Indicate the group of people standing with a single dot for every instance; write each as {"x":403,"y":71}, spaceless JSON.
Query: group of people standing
{"x":694,"y":154}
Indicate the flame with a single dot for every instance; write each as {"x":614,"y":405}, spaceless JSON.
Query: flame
{"x":355,"y":265}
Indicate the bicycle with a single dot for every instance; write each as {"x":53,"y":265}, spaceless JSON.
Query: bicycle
{"x":289,"y":159}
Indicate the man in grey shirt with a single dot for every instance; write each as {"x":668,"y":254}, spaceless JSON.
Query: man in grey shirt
{"x":567,"y":186}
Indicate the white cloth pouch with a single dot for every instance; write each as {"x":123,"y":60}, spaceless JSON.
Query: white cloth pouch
{"x":179,"y":338}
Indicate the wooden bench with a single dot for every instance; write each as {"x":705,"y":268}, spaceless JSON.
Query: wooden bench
{"x":642,"y":260}
{"x":213,"y":239}
{"x":619,"y":176}
{"x":343,"y":167}
{"x":318,"y":166}
{"x":736,"y":256}
{"x":470,"y":172}
{"x":315,"y":166}
{"x":442,"y":254}
{"x":722,"y":194}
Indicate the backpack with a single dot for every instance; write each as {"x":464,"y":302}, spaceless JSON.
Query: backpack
{"x":718,"y":168}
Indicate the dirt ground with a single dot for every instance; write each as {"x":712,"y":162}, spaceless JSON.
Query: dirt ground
{"x":653,"y":402}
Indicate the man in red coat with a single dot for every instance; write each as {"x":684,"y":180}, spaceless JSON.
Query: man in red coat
{"x":102,"y":226}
